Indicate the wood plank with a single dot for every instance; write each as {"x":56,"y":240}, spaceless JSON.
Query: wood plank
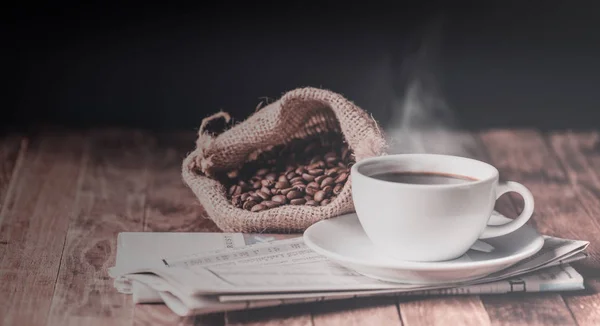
{"x":111,"y":200}
{"x":172,"y":207}
{"x":35,"y":220}
{"x":529,"y":309}
{"x":291,"y":315}
{"x":451,"y":310}
{"x":159,"y":314}
{"x":579,"y":154}
{"x":464,"y":310}
{"x":522,"y":156}
{"x":360,"y":311}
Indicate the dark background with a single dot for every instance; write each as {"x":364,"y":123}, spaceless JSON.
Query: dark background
{"x":499,"y":64}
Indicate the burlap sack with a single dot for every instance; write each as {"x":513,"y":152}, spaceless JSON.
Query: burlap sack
{"x":297,"y":114}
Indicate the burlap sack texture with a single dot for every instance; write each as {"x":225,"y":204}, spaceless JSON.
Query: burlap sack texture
{"x":297,"y":114}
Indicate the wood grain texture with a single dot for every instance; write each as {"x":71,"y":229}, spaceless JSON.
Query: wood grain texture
{"x":464,"y":310}
{"x":172,"y":207}
{"x":111,"y":200}
{"x":451,"y":310}
{"x":579,"y":154}
{"x":35,"y":219}
{"x":291,"y":315}
{"x":522,"y":156}
{"x":529,"y":309}
{"x":159,"y":314}
{"x":360,"y":311}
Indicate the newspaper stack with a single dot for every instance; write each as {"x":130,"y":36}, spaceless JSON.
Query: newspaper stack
{"x":200,"y":273}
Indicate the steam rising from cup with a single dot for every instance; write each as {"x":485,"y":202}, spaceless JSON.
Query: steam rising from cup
{"x":422,"y":121}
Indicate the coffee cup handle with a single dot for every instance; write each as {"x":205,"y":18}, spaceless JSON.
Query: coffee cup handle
{"x":492,"y":231}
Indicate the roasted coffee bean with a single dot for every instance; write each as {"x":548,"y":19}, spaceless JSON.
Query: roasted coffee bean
{"x":286,"y":191}
{"x":282,"y":184}
{"x":249,"y":204}
{"x":258,"y":208}
{"x":233,"y":174}
{"x":315,"y":172}
{"x":298,"y":201}
{"x":267,"y":183}
{"x":271,"y":204}
{"x":319,"y":196}
{"x":320,"y":179}
{"x":331,"y":172}
{"x":330,"y":155}
{"x":293,"y":194}
{"x":280,"y":199}
{"x":264,"y":195}
{"x":262,"y":172}
{"x":311,"y":190}
{"x":318,"y":165}
{"x":314,"y":185}
{"x":315,"y":159}
{"x":341,"y":178}
{"x":235,"y":190}
{"x":327,"y":182}
{"x":307,"y":177}
{"x":311,"y":203}
{"x":296,"y":179}
{"x":338,"y":189}
{"x":300,"y":187}
{"x":313,"y":166}
{"x":308,"y":173}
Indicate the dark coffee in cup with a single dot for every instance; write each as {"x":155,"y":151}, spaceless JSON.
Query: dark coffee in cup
{"x":423,"y":178}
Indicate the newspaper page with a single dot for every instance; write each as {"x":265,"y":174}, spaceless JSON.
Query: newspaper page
{"x":154,"y":288}
{"x":146,"y":248}
{"x":567,"y":281}
{"x":276,"y":267}
{"x":562,"y":277}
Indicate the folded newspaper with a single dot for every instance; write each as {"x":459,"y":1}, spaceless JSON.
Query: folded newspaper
{"x":200,"y":273}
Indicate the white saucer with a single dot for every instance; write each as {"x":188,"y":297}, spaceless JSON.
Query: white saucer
{"x":343,"y":240}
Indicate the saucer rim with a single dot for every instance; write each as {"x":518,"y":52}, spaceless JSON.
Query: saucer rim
{"x":417,"y":265}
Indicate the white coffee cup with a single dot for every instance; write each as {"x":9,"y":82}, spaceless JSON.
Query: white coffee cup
{"x":431,"y":222}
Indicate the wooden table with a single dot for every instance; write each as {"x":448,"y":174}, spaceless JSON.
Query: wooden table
{"x":65,"y":196}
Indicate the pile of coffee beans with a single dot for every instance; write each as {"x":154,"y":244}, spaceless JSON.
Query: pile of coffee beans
{"x":310,"y":171}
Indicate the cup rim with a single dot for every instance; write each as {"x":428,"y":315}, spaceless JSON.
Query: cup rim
{"x":355,"y":171}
